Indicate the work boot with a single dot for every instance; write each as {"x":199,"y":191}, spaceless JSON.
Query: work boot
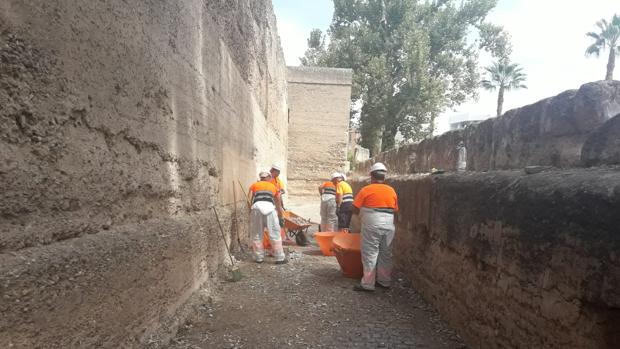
{"x":282,"y":262}
{"x":382,"y":286}
{"x":361,"y":289}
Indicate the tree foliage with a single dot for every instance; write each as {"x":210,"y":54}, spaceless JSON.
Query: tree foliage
{"x":504,"y":76}
{"x":608,"y":37}
{"x":411,"y":60}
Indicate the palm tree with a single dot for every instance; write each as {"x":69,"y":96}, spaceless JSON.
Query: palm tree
{"x":504,"y":76}
{"x":609,"y":36}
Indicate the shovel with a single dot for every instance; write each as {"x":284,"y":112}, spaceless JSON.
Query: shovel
{"x":235,"y":272}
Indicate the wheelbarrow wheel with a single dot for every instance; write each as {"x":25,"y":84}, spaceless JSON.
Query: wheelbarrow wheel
{"x":301,"y":239}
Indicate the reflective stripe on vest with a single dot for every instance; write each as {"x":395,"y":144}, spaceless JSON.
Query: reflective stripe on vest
{"x":263,"y":195}
{"x":329,"y":190}
{"x":382,"y":209}
{"x":347,"y":198}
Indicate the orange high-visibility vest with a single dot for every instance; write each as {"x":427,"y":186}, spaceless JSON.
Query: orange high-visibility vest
{"x":264,"y":191}
{"x":328,"y":188}
{"x":278,"y":183}
{"x":378,"y":196}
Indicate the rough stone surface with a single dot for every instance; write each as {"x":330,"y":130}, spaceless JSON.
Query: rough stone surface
{"x":319,"y":102}
{"x":514,"y":260}
{"x":550,"y":132}
{"x":121,"y":124}
{"x":603,"y":146}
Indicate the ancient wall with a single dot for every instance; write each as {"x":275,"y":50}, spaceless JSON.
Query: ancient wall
{"x":319,"y":105}
{"x":121,"y":124}
{"x":551,"y":132}
{"x":602,"y":147}
{"x":514,"y":260}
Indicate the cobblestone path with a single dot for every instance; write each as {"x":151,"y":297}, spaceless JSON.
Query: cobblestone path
{"x":308,"y":304}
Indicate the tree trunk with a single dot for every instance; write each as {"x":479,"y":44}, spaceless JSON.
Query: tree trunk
{"x":500,"y":101}
{"x":611,"y":64}
{"x":389,"y":138}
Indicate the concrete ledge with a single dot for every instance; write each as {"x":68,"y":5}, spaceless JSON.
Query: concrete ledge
{"x":319,"y":75}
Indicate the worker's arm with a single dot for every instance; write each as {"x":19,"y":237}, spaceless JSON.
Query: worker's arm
{"x":320,"y":190}
{"x":338,"y":200}
{"x":279,"y":207}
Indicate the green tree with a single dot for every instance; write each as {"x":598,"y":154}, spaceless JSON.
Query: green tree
{"x":607,"y":37}
{"x":504,"y":76}
{"x":316,"y":49}
{"x":411,"y":60}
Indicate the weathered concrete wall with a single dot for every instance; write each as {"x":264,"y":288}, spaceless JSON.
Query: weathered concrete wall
{"x":121,"y":123}
{"x":319,"y":102}
{"x":550,"y":132}
{"x":515,"y":260}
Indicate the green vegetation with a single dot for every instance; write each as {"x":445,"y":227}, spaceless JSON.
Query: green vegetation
{"x":411,"y":60}
{"x":608,"y":37}
{"x":504,"y":76}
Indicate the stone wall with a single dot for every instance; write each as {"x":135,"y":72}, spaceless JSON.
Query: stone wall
{"x":550,"y":132}
{"x":514,"y":260}
{"x":319,"y":102}
{"x":121,"y":124}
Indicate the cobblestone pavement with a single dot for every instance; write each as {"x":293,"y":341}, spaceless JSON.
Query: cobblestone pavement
{"x":308,"y":304}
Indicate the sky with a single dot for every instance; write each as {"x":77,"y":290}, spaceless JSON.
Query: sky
{"x":548,"y":38}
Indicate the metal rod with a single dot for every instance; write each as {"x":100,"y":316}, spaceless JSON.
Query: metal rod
{"x":223,"y":236}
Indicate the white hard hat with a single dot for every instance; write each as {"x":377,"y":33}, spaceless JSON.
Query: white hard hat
{"x":344,"y":177}
{"x":264,"y":174}
{"x":276,"y":167}
{"x":336,"y":175}
{"x":378,"y":167}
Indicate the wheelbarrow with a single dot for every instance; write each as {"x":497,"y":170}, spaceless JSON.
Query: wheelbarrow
{"x":295,"y":227}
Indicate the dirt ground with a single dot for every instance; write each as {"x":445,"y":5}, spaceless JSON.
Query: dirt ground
{"x":308,"y":304}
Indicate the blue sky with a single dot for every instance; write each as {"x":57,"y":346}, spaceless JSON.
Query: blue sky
{"x":548,"y":37}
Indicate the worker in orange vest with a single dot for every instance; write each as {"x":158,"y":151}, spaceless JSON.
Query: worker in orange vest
{"x":275,"y":180}
{"x":344,"y":199}
{"x":376,"y":204}
{"x":264,"y":213}
{"x":327,"y":190}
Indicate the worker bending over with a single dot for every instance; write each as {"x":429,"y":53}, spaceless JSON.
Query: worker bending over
{"x":327,"y":190}
{"x":264,"y":213}
{"x":376,"y":203}
{"x":344,"y":199}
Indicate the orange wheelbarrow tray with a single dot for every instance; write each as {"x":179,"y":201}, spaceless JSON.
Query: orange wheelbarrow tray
{"x":296,"y":227}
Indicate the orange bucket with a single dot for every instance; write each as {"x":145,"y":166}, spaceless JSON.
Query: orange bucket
{"x":266,"y":243}
{"x":324,"y":239}
{"x":347,"y":248}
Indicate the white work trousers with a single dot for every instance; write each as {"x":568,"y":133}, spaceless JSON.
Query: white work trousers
{"x":329,"y":219}
{"x":377,"y":235}
{"x":258,"y":222}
